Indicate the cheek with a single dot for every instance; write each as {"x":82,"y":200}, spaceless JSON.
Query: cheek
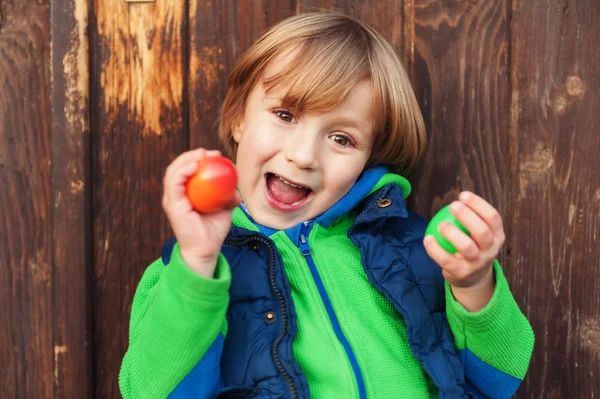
{"x":260,"y":141}
{"x":341,"y":177}
{"x":254,"y":149}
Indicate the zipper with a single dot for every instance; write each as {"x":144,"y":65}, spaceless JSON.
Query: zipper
{"x":307,"y":253}
{"x":281,"y":301}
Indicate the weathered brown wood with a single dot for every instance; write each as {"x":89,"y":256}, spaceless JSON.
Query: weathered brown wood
{"x":253,"y":18}
{"x":26,"y":250}
{"x":509,"y":89}
{"x":461,"y":79}
{"x":555,"y":191}
{"x":71,"y":189}
{"x":212,"y":49}
{"x":137,"y":129}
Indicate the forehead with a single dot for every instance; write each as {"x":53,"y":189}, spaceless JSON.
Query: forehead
{"x":285,"y":59}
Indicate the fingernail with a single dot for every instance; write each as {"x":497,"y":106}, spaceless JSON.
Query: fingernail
{"x":455,"y":206}
{"x":465,"y":195}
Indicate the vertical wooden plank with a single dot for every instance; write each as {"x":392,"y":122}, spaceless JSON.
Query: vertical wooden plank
{"x":26,"y":274}
{"x":253,"y":18}
{"x":250,"y":22}
{"x":460,"y":67}
{"x":138,"y":127}
{"x":275,"y":11}
{"x":212,"y":53}
{"x":555,"y":191}
{"x":71,"y":158}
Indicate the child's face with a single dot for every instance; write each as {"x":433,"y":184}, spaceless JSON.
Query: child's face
{"x":322,"y":153}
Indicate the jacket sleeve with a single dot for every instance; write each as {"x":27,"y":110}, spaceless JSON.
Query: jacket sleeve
{"x":176,"y":332}
{"x":495,"y":344}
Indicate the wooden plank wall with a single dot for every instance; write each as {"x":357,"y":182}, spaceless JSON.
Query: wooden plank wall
{"x":554,"y":191}
{"x":26,"y":234}
{"x":138,"y":126}
{"x":45,"y":202}
{"x":97,"y":97}
{"x":508,"y":90}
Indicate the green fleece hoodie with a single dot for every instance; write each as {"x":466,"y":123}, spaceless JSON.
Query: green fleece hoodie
{"x":175,"y":299}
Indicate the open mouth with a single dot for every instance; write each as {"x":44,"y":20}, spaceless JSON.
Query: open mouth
{"x":284,"y":194}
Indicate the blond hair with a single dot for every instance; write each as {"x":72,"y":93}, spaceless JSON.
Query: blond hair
{"x":336,"y":51}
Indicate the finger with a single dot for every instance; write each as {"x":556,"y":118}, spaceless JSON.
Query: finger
{"x":462,"y":242}
{"x":439,"y":254}
{"x":485,"y":210}
{"x":184,"y":158}
{"x":180,"y":170}
{"x":188,"y":156}
{"x":182,"y":163}
{"x":479,"y":229}
{"x":213,"y":153}
{"x":175,"y":181}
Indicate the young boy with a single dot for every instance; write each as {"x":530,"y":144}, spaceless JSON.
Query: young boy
{"x":320,"y":283}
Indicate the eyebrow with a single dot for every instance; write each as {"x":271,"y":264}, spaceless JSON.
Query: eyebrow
{"x":352,"y":123}
{"x":345,"y":121}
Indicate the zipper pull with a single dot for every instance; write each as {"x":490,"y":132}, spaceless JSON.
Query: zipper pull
{"x":304,"y":247}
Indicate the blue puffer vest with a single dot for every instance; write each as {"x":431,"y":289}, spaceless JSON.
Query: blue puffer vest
{"x":257,"y":359}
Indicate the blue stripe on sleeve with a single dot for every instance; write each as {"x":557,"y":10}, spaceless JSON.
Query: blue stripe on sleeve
{"x":488,"y":381}
{"x":167,"y":249}
{"x":204,"y":381}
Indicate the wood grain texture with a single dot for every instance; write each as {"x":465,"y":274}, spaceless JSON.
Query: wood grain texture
{"x":212,"y":53}
{"x":26,"y":249}
{"x":555,"y":191}
{"x":71,"y":158}
{"x":509,"y":90}
{"x":253,"y":18}
{"x":138,"y":128}
{"x":462,"y":83}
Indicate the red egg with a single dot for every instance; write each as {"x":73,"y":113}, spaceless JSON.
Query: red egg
{"x":213,"y":186}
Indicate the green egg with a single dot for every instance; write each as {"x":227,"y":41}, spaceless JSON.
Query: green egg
{"x":444,"y":215}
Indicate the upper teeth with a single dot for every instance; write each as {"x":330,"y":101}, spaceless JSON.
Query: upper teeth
{"x":287,"y":182}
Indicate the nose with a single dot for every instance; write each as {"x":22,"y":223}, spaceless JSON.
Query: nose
{"x":302,"y":148}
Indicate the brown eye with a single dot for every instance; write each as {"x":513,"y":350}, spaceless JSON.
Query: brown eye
{"x":285,"y":116}
{"x":341,"y":140}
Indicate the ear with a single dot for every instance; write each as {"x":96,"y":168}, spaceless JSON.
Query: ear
{"x":236,"y":131}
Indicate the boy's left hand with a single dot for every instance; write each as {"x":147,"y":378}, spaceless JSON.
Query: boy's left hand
{"x":469,"y":271}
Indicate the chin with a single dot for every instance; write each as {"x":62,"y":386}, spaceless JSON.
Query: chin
{"x":279,"y":223}
{"x":280,"y":220}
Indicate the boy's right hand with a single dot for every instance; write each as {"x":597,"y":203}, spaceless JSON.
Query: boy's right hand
{"x":200,"y":236}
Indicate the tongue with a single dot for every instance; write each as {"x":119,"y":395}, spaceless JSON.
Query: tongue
{"x":285,"y":193}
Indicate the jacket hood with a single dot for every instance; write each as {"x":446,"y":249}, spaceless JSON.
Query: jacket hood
{"x":371,"y":180}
